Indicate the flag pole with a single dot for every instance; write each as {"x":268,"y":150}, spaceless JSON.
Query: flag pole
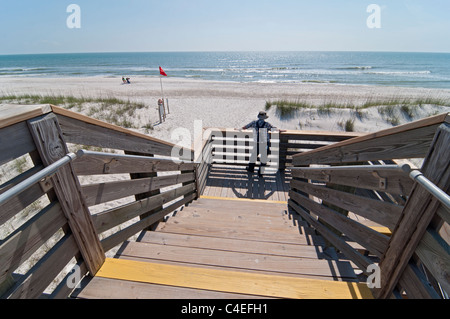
{"x":162,"y":93}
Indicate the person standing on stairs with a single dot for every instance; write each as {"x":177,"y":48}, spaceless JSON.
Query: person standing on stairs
{"x":261,"y":141}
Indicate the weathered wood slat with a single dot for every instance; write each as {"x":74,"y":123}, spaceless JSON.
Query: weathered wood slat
{"x":101,"y":134}
{"x":46,"y":270}
{"x":365,"y":236}
{"x":15,"y":204}
{"x":383,"y":213}
{"x":361,"y":261}
{"x":405,"y":141}
{"x":116,"y":216}
{"x":100,"y":193}
{"x":15,"y":141}
{"x":11,"y":114}
{"x":51,"y":146}
{"x":106,"y":288}
{"x":417,"y":214}
{"x":236,"y":245}
{"x":21,"y":244}
{"x":122,"y":235}
{"x":231,"y":281}
{"x":239,"y":223}
{"x":434,"y":252}
{"x":416,"y":285}
{"x":108,"y":164}
{"x":317,"y":136}
{"x":63,"y":290}
{"x":388,"y":181}
{"x":245,"y":234}
{"x":239,"y":260}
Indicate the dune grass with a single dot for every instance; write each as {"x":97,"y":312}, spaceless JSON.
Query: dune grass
{"x":109,"y":109}
{"x":388,"y":108}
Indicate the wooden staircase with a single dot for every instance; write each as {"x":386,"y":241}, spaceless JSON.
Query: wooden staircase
{"x":222,"y":248}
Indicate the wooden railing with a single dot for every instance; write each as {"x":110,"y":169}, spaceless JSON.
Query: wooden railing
{"x":230,"y":146}
{"x":369,"y":209}
{"x":53,"y":231}
{"x":57,"y":230}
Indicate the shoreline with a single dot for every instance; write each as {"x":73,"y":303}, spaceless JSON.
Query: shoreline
{"x":229,"y":104}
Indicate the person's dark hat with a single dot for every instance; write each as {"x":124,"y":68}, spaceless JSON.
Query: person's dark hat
{"x":262,"y":115}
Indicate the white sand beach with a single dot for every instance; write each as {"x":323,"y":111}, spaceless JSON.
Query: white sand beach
{"x":232,"y":104}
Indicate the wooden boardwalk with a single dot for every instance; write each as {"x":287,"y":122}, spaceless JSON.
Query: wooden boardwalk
{"x":233,"y":181}
{"x":222,"y":248}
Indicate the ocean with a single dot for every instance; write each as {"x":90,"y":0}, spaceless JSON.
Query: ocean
{"x":428,"y":70}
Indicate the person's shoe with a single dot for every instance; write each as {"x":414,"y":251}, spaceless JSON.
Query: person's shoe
{"x":250,"y":170}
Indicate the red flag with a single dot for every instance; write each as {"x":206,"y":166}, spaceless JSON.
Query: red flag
{"x":161,"y":71}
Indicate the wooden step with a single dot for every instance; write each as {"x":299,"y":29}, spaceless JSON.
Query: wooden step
{"x":230,"y":281}
{"x":111,"y":288}
{"x":235,"y":245}
{"x":242,"y":233}
{"x":282,"y":218}
{"x":239,"y":222}
{"x":281,"y":265}
{"x":240,"y":204}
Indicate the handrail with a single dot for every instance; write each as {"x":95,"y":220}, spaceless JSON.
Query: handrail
{"x":415,"y":175}
{"x":440,"y":195}
{"x":39,"y":176}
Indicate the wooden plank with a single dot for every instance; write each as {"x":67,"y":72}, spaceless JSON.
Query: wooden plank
{"x":17,"y":203}
{"x":20,"y":245}
{"x":396,"y":182}
{"x":361,"y":261}
{"x":45,"y":271}
{"x":239,"y":223}
{"x":103,"y":192}
{"x":417,"y":214}
{"x":110,"y":164}
{"x":416,"y":284}
{"x":236,"y":245}
{"x":383,"y":213}
{"x":405,"y":141}
{"x":51,"y":146}
{"x":434,"y":252}
{"x":317,"y":135}
{"x":370,"y":239}
{"x":11,"y":114}
{"x":122,"y":235}
{"x":99,"y":134}
{"x":105,"y":288}
{"x":15,"y":141}
{"x":231,"y":281}
{"x":238,"y":260}
{"x":245,"y":234}
{"x":116,"y":216}
{"x":64,"y":113}
{"x":242,"y":203}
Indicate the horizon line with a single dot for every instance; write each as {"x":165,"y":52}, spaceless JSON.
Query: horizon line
{"x":221,"y":51}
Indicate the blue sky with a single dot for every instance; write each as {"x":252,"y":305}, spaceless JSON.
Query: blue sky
{"x":31,"y":26}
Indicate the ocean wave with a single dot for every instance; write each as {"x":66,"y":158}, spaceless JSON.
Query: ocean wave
{"x":355,"y":68}
{"x":399,"y":72}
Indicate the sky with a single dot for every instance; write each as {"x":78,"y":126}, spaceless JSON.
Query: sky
{"x":31,"y":26}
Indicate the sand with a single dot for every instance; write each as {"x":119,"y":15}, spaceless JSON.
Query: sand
{"x":231,"y":104}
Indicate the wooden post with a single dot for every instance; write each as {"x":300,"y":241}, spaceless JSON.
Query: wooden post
{"x":51,"y":146}
{"x":417,"y":214}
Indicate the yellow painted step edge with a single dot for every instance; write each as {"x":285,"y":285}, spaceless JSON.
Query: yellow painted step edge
{"x":232,"y":281}
{"x":245,"y":199}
